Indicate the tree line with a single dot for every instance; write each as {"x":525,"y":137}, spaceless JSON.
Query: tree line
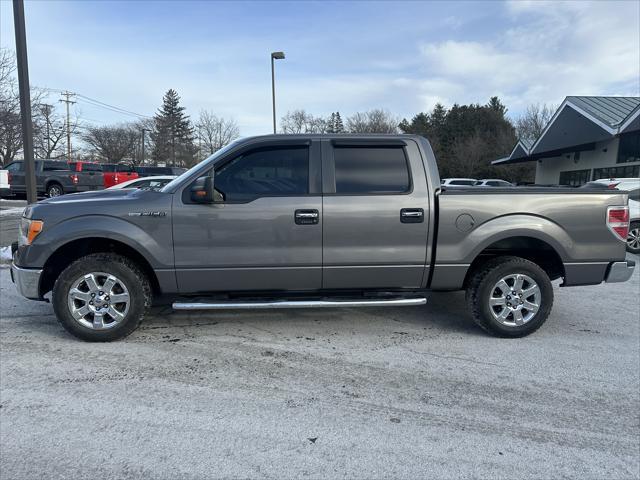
{"x":465,"y":138}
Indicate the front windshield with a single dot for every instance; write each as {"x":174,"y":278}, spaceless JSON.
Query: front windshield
{"x":172,"y":184}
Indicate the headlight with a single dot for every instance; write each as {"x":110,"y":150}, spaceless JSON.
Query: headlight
{"x":29,"y":230}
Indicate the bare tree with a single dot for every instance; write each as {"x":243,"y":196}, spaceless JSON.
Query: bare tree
{"x":373,"y":121}
{"x":215,"y":132}
{"x":113,"y":143}
{"x":299,"y":121}
{"x":530,"y":125}
{"x":10,"y":118}
{"x":50,"y":131}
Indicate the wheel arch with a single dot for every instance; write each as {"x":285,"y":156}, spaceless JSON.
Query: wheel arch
{"x":71,"y":251}
{"x":534,"y":249}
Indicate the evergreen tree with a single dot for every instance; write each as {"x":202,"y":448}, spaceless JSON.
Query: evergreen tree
{"x":331,"y":122}
{"x":173,"y":134}
{"x":338,"y":126}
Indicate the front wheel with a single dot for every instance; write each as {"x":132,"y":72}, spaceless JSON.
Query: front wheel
{"x":633,"y":238}
{"x":510,"y":296}
{"x":101,"y":297}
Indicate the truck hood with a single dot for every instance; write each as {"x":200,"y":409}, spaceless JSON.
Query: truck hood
{"x":117,"y":202}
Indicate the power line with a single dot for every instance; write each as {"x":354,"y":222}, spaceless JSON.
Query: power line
{"x":111,"y":107}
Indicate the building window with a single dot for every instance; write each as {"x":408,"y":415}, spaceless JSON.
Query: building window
{"x":629,"y":171}
{"x":629,"y":148}
{"x":574,"y":178}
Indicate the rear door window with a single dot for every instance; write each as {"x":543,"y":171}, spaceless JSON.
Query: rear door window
{"x":371,"y":170}
{"x":91,"y":167}
{"x":53,"y":165}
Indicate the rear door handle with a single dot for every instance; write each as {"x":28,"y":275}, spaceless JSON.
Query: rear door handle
{"x":306,"y":217}
{"x":412,"y":215}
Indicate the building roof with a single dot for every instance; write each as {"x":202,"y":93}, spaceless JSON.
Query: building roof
{"x":611,"y":110}
{"x":579,"y":121}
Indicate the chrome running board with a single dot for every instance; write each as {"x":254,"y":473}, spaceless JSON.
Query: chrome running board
{"x":250,"y":305}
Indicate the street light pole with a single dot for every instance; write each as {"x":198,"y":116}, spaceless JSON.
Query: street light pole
{"x":274,"y":56}
{"x":25,"y":100}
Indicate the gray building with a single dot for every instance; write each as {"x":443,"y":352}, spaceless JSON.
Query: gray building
{"x":587,"y":138}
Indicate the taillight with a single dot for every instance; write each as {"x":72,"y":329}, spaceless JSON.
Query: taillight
{"x":74,"y":179}
{"x":612,"y":186}
{"x":618,"y":221}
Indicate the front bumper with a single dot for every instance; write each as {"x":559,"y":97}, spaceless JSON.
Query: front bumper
{"x":27,"y":281}
{"x":619,"y":271}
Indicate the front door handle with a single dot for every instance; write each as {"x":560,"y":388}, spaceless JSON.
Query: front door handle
{"x":306,"y":217}
{"x":412,"y":215}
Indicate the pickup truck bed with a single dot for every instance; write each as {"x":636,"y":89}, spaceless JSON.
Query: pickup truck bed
{"x":286,"y":221}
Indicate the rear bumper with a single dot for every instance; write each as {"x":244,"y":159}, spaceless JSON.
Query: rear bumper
{"x":27,"y":281}
{"x":619,"y":271}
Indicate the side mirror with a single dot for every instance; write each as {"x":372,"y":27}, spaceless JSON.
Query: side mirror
{"x":202,"y":192}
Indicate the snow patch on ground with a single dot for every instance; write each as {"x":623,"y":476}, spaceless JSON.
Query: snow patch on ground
{"x":12,"y":211}
{"x":5,"y":255}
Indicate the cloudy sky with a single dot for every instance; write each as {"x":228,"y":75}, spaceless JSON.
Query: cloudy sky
{"x":346,"y":56}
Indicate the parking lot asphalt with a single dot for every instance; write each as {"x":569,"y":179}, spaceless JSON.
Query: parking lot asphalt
{"x":357,"y":393}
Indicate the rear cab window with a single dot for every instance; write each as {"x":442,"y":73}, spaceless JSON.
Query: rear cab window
{"x":371,"y":170}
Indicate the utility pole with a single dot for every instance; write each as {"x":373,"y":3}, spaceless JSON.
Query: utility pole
{"x":143,"y":130}
{"x":25,"y":100}
{"x":67,"y":100}
{"x":47,"y":117}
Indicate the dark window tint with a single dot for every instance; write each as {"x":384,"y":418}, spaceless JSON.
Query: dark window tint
{"x":493,"y":184}
{"x":629,"y":148}
{"x":462,"y":182}
{"x":108,"y":167}
{"x":629,"y":171}
{"x":14,"y":167}
{"x":124,"y":168}
{"x":372,"y":170}
{"x":91,"y":167}
{"x":52,"y":165}
{"x":265,"y":172}
{"x":574,"y":178}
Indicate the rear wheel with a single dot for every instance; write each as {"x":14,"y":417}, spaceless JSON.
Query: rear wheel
{"x":54,"y":190}
{"x":101,"y":297}
{"x":510,"y":296}
{"x":633,"y":238}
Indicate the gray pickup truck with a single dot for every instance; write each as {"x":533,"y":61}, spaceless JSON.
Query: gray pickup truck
{"x":288,"y":221}
{"x":53,"y":178}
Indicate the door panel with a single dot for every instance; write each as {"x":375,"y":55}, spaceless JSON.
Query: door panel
{"x":367,"y":243}
{"x":249,"y":246}
{"x":252,"y":241}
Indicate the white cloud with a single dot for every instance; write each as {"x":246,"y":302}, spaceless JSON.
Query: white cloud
{"x":556,"y":49}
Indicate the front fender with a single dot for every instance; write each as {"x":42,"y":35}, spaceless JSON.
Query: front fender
{"x":151,"y":238}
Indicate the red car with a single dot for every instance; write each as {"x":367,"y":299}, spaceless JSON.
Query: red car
{"x":115,"y":173}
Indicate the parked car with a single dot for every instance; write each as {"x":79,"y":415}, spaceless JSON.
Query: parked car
{"x":631,"y":185}
{"x":284,"y":221}
{"x":4,"y":184}
{"x":151,"y":183}
{"x":493,"y":182}
{"x":467,"y":182}
{"x":147,"y":171}
{"x":53,"y":178}
{"x":115,"y":173}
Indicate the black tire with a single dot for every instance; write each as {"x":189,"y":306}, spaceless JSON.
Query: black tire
{"x":127,"y":271}
{"x":482,"y":287}
{"x":54,"y":189}
{"x":633,"y":239}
